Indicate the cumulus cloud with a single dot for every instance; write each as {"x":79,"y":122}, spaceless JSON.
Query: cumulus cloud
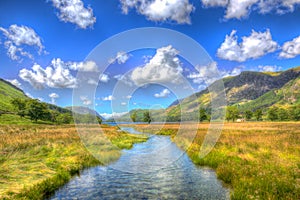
{"x":241,"y":8}
{"x":291,"y":49}
{"x":120,"y":58}
{"x":161,"y":10}
{"x":85,"y":100}
{"x":254,"y":46}
{"x":125,"y":79}
{"x":53,"y":97}
{"x":163,"y":94}
{"x":269,"y":68}
{"x":73,"y":11}
{"x":108,"y":98}
{"x":114,"y":115}
{"x":104,"y":78}
{"x":17,"y":37}
{"x":15,"y":82}
{"x":164,"y":67}
{"x":206,"y":74}
{"x":56,"y":75}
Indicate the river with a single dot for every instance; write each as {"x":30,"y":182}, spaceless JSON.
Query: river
{"x":156,"y":169}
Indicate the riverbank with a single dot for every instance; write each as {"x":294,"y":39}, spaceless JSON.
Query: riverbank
{"x":258,"y":160}
{"x":35,"y":160}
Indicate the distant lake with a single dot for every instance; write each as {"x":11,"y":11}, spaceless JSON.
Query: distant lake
{"x":141,"y":173}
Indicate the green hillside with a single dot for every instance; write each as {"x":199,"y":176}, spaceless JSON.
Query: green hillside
{"x":7,"y":93}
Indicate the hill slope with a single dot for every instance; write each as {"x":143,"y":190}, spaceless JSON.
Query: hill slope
{"x":7,"y":93}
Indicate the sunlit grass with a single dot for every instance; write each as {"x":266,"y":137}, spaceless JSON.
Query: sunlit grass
{"x":36,"y":159}
{"x":257,"y":160}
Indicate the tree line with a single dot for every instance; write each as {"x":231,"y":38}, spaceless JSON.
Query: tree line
{"x":36,"y":110}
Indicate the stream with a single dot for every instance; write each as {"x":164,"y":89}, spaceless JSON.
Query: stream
{"x":156,"y":169}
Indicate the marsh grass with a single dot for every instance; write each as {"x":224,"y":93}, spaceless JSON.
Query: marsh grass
{"x":257,"y":160}
{"x":35,"y":160}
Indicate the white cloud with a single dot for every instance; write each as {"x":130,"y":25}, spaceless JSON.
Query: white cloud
{"x":114,"y":114}
{"x":161,"y":10}
{"x":234,"y":72}
{"x":164,"y":67}
{"x":108,"y":98}
{"x":215,"y":3}
{"x":242,"y":8}
{"x":74,"y":11}
{"x":56,"y":75}
{"x":239,"y":8}
{"x":206,"y":74}
{"x":120,"y":58}
{"x":254,"y":46}
{"x":92,"y":81}
{"x":163,"y":94}
{"x":123,"y":103}
{"x":269,"y":68}
{"x":87,"y":66}
{"x":85,"y":100}
{"x":128,"y":97}
{"x":53,"y":97}
{"x":104,"y":78}
{"x":18,"y":37}
{"x":15,"y":82}
{"x":291,"y":49}
{"x":125,"y":79}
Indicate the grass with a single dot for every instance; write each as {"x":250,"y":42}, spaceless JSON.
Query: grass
{"x":257,"y":160}
{"x":35,"y":160}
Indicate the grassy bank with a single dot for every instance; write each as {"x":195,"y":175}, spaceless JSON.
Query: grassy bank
{"x":37,"y":159}
{"x":258,"y":160}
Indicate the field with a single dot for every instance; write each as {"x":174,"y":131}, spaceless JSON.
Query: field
{"x":37,"y":159}
{"x":256,"y":160}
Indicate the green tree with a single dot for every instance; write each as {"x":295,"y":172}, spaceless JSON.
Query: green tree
{"x":37,"y":110}
{"x":248,"y":114}
{"x":258,"y":115}
{"x":64,"y":118}
{"x":295,"y":113}
{"x":283,"y":114}
{"x":232,"y":113}
{"x":147,"y":117}
{"x":133,"y":116}
{"x":273,"y":113}
{"x":20,"y":106}
{"x":99,"y":120}
{"x":202,"y":115}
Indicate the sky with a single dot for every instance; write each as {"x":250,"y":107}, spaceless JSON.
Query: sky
{"x":117,"y":55}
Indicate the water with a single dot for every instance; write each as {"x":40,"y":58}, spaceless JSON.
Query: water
{"x":156,"y":169}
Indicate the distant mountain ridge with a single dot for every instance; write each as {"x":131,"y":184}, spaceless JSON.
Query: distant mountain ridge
{"x":83,"y":110}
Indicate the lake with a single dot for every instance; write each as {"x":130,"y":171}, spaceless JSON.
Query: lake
{"x":156,"y":169}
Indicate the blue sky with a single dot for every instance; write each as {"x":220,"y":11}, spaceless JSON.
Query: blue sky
{"x":44,"y":44}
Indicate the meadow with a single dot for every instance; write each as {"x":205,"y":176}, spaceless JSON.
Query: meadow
{"x":258,"y":160}
{"x":35,"y":160}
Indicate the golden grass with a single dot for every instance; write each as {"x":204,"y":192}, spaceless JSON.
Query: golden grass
{"x":36,"y":159}
{"x":258,"y":160}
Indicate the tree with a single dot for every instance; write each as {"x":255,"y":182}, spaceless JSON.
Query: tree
{"x":202,"y":115}
{"x":133,"y":116}
{"x":99,"y":120}
{"x":248,"y":114}
{"x":232,"y":113}
{"x":295,"y":113}
{"x":283,"y":114}
{"x":64,"y":118}
{"x":20,"y":106}
{"x":258,"y":115}
{"x":37,"y":110}
{"x":273,"y":113}
{"x":147,"y":117}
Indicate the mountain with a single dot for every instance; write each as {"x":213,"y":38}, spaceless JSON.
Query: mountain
{"x":8,"y":92}
{"x":84,"y":110}
{"x":250,"y":90}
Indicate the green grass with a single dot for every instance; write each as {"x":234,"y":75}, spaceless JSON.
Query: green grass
{"x":257,"y":160}
{"x":35,"y":160}
{"x":17,"y":120}
{"x":7,"y":93}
